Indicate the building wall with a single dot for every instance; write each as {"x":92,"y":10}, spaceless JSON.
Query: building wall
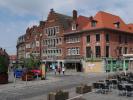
{"x":93,"y":66}
{"x":38,"y":34}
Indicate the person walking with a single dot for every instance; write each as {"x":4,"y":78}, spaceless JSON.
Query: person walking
{"x":55,"y":69}
{"x":59,"y":70}
{"x":63,"y":70}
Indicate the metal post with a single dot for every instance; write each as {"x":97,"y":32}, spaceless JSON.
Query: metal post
{"x":26,"y":79}
{"x":75,"y":66}
{"x":111,"y":65}
{"x":14,"y":80}
{"x":37,"y":76}
{"x":124,"y":66}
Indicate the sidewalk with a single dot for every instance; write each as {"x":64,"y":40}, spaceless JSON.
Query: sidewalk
{"x":23,"y":84}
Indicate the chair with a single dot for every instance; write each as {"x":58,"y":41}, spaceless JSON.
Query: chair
{"x":129,"y":90}
{"x":114,"y":83}
{"x":96,"y":86}
{"x":108,"y":83}
{"x":104,"y":88}
{"x":121,"y":90}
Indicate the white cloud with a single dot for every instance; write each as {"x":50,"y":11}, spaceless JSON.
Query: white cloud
{"x":39,"y":8}
{"x":88,"y":7}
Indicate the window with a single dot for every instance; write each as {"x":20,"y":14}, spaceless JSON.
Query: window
{"x":77,"y":49}
{"x":125,"y":50}
{"x":37,"y":43}
{"x":107,"y":37}
{"x":57,"y":41}
{"x":27,"y":45}
{"x":93,"y":24}
{"x":57,"y":29}
{"x":73,"y":26}
{"x":125,"y":39}
{"x":69,"y":51}
{"x":60,"y":51}
{"x":120,"y":51}
{"x":46,"y":31}
{"x":88,"y":52}
{"x":120,"y":38}
{"x":46,"y":42}
{"x":73,"y":51}
{"x":88,"y":38}
{"x":117,"y":25}
{"x":98,"y":51}
{"x":107,"y":51}
{"x":97,"y":37}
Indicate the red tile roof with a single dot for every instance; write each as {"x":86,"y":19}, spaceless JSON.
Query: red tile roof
{"x":104,"y":20}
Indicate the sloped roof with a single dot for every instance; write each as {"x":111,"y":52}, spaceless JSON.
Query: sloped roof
{"x":103,"y":20}
{"x":107,"y":20}
{"x":64,"y":20}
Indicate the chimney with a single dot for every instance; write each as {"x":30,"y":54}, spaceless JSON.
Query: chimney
{"x":52,"y":10}
{"x":74,"y":14}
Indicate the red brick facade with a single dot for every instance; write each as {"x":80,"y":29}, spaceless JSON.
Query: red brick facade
{"x":62,"y":39}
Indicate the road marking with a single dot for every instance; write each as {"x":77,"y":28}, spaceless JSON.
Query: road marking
{"x":75,"y":97}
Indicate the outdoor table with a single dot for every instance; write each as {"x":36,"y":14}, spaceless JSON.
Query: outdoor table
{"x":126,"y":84}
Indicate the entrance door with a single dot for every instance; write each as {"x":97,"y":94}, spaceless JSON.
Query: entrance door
{"x":79,"y":67}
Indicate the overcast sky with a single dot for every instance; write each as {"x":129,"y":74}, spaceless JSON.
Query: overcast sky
{"x":17,"y":15}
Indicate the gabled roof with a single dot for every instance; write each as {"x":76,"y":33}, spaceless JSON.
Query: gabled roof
{"x":107,"y":20}
{"x":81,"y":22}
{"x":103,"y":20}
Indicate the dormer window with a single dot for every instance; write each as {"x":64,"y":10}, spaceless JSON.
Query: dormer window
{"x":93,"y":23}
{"x":74,"y":27}
{"x":117,"y":25}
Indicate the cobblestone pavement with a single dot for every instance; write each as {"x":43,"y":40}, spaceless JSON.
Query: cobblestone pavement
{"x":38,"y":90}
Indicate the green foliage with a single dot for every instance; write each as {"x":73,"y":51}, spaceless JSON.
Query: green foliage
{"x":3,"y":64}
{"x":31,"y":62}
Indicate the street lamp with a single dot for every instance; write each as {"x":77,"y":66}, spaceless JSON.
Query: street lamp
{"x":40,"y":46}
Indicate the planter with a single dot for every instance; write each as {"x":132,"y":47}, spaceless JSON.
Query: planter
{"x":60,"y":95}
{"x":83,"y":89}
{"x":28,"y":76}
{"x":78,"y":99}
{"x":3,"y":78}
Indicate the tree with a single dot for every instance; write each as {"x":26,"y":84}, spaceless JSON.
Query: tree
{"x":3,"y":64}
{"x":31,"y":62}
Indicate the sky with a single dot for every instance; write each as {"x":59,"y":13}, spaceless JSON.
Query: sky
{"x":17,"y":15}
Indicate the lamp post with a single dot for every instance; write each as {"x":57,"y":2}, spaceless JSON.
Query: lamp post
{"x":40,"y":46}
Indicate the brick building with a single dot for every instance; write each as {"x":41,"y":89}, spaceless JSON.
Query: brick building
{"x":73,"y":41}
{"x":20,"y":49}
{"x":13,"y":60}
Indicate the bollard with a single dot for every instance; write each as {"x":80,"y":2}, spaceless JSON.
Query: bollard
{"x":83,"y":89}
{"x":59,"y":95}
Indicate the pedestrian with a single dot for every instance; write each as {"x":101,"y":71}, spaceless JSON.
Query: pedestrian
{"x":63,"y":70}
{"x":59,"y":69}
{"x":55,"y":69}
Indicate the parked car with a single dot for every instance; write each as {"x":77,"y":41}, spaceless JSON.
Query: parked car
{"x":37,"y":72}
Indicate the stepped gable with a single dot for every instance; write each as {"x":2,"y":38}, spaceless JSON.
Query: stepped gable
{"x":62,"y":19}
